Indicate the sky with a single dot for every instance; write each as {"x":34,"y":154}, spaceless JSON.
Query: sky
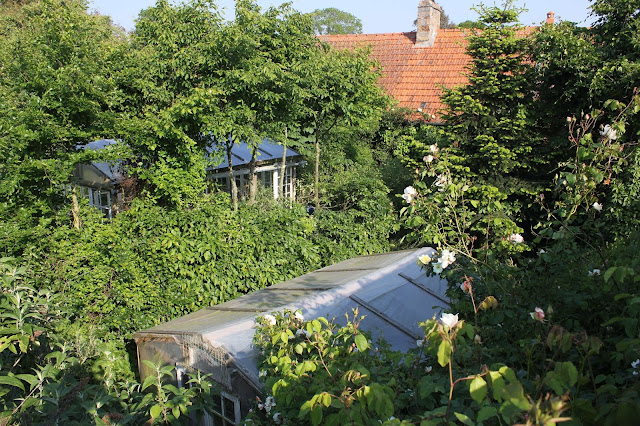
{"x":376,"y":16}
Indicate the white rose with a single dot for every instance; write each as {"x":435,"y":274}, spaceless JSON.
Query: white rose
{"x":409,"y":194}
{"x":449,"y":320}
{"x":269,"y":319}
{"x":516,"y":238}
{"x":609,"y":133}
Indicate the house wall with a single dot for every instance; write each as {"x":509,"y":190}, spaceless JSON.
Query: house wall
{"x":268,"y":176}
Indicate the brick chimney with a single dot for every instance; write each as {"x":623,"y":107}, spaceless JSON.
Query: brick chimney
{"x":550,"y":18}
{"x":428,"y":23}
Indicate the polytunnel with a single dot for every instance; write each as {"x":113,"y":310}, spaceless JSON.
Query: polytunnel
{"x":391,"y":289}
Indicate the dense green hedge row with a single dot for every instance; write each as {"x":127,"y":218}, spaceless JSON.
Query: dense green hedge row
{"x":152,"y":263}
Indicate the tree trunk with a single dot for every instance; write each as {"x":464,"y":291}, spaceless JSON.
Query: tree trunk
{"x":283,"y":164}
{"x":253,"y":178}
{"x":75,"y":209}
{"x":232,"y":181}
{"x":316,"y":179}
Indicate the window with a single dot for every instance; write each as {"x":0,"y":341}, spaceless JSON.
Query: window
{"x":225,"y":407}
{"x":288,"y":183}
{"x":226,"y":411}
{"x":98,"y":198}
{"x":266,"y":178}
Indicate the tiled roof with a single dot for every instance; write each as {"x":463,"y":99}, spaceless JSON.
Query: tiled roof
{"x":413,"y":75}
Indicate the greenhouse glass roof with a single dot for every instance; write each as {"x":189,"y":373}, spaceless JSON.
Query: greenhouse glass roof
{"x":390,"y":289}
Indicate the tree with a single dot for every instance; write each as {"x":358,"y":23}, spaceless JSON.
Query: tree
{"x":169,"y":89}
{"x":470,"y":24}
{"x":259,"y":71}
{"x":58,"y":86}
{"x":578,"y":70}
{"x":445,"y":21}
{"x":340,"y":87}
{"x":489,"y":118}
{"x":335,"y":21}
{"x":485,"y":173}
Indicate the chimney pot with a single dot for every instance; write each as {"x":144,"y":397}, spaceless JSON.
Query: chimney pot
{"x":428,"y":23}
{"x":550,"y":18}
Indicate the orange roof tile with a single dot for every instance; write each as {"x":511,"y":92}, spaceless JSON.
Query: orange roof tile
{"x":414,"y":76}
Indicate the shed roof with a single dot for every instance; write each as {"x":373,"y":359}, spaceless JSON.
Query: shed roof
{"x":110,"y":171}
{"x":390,"y":289}
{"x":267,"y":151}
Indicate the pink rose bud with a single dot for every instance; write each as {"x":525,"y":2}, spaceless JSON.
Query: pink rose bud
{"x":537,"y":314}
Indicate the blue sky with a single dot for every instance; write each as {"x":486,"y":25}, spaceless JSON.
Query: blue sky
{"x":377,"y":16}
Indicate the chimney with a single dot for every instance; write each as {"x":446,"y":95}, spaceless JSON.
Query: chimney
{"x":550,"y":18}
{"x":428,"y":23}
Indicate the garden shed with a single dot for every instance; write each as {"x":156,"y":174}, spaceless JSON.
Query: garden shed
{"x":391,"y":289}
{"x":268,"y":160}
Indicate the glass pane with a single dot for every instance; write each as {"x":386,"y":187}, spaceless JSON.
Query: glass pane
{"x":104,"y":199}
{"x":287,"y":182}
{"x":229,"y":408}
{"x":267,"y":179}
{"x":216,"y":404}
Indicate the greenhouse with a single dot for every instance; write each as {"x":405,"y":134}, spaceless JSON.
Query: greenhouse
{"x":391,"y":289}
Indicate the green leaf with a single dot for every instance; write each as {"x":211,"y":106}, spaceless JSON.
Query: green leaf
{"x":316,"y":415}
{"x":326,"y":399}
{"x":515,"y":394}
{"x":571,"y":178}
{"x":304,"y":409}
{"x":486,"y":413}
{"x":361,"y":342}
{"x":11,"y":381}
{"x":478,"y":389}
{"x":608,"y":273}
{"x":444,"y":353}
{"x":464,"y":419}
{"x":155,"y":411}
{"x":171,"y":388}
{"x":150,"y":380}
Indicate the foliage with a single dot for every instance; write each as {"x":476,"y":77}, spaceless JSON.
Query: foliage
{"x":579,"y":69}
{"x":490,"y":164}
{"x":168,"y":89}
{"x":334,"y":21}
{"x":153,"y":263}
{"x":470,"y":24}
{"x":340,"y":89}
{"x":44,"y":379}
{"x":58,"y":91}
{"x":582,"y":261}
{"x":320,"y":373}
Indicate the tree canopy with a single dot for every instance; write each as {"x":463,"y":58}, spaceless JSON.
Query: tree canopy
{"x":335,"y":21}
{"x":59,"y":90}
